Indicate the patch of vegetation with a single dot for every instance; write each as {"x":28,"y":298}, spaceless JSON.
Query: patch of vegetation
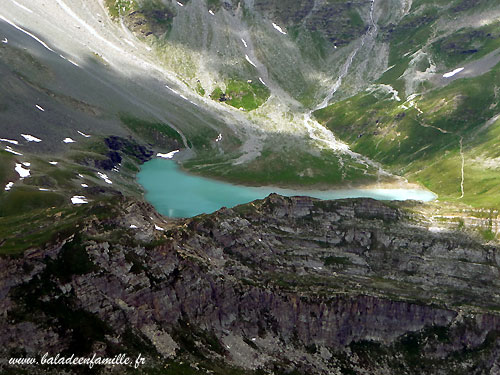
{"x":119,"y":7}
{"x":488,"y":234}
{"x":156,"y":133}
{"x":151,"y":17}
{"x":199,"y":89}
{"x":425,"y":147}
{"x":344,"y":27}
{"x":410,"y":352}
{"x":41,"y":227}
{"x":284,"y":168}
{"x":312,"y":44}
{"x":136,"y":261}
{"x":23,"y":200}
{"x":218,"y":94}
{"x":73,"y":260}
{"x":336,"y":261}
{"x":23,"y":64}
{"x":250,"y":343}
{"x":7,"y":172}
{"x":467,"y":44}
{"x":196,"y":341}
{"x":240,"y":94}
{"x":355,"y":19}
{"x":62,"y":176}
{"x":411,"y":33}
{"x":214,"y":4}
{"x":406,"y":38}
{"x":137,"y":343}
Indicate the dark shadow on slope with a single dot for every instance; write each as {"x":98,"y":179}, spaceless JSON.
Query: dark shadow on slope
{"x":89,"y":97}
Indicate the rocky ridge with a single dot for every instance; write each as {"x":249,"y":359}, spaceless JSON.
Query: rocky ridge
{"x":278,"y":285}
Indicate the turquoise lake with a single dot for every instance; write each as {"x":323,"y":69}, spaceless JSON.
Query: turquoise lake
{"x":175,"y":193}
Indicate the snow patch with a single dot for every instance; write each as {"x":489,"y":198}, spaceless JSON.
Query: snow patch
{"x":211,"y":12}
{"x":279,"y":29}
{"x":169,"y":155}
{"x":262,"y":81}
{"x":68,"y":60}
{"x":389,"y":68}
{"x":159,"y":228}
{"x":83,"y":134}
{"x":53,"y":162}
{"x":250,"y":61}
{"x":132,"y":226}
{"x":23,"y":172}
{"x":9,"y":186}
{"x":129,"y":43}
{"x":68,"y":140}
{"x":79,"y":199}
{"x":387,"y":88}
{"x":26,"y":164}
{"x":180,"y":4}
{"x":9,"y":149}
{"x":30,"y":138}
{"x":5,"y":40}
{"x":219,"y":138}
{"x":27,"y":33}
{"x":452,"y":73}
{"x":43,"y":189}
{"x":104,"y":177}
{"x":436,"y":229}
{"x":244,"y":43}
{"x":171,"y":89}
{"x":22,"y":6}
{"x":393,"y":91}
{"x":14,"y":142}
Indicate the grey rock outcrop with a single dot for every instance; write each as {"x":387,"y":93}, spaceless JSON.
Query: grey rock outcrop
{"x":316,"y":286}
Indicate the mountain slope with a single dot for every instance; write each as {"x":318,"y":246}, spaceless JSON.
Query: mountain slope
{"x":443,"y":134}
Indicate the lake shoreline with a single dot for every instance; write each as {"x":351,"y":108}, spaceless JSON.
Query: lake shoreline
{"x":397,"y":182}
{"x":177,"y":193}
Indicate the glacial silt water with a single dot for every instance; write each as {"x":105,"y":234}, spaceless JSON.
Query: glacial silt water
{"x":175,"y":193}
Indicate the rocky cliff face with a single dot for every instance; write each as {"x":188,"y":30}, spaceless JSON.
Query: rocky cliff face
{"x":280,"y":285}
{"x":338,"y":22}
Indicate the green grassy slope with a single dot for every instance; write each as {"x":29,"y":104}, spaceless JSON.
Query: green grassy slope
{"x":426,"y":146}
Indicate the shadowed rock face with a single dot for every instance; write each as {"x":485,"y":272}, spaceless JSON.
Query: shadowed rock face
{"x":293,"y":281}
{"x":150,"y":21}
{"x":338,"y":22}
{"x":117,"y":147}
